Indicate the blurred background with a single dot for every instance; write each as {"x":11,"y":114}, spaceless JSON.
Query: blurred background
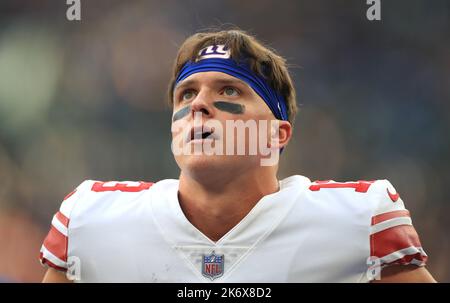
{"x":87,"y":100}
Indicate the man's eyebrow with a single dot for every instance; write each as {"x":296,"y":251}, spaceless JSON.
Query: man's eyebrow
{"x":192,"y":82}
{"x":230,"y":82}
{"x":184,"y":84}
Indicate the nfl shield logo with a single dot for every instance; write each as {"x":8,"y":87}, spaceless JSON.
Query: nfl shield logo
{"x":212,"y":265}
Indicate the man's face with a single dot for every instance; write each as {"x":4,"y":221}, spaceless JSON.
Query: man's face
{"x":218,"y":122}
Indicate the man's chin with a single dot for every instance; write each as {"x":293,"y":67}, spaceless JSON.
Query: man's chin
{"x":211,"y":164}
{"x":203,"y":161}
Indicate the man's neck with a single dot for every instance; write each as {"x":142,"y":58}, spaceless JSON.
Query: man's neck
{"x":214,"y":210}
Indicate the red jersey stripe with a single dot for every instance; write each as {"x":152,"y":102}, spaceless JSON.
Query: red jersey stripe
{"x":124,"y":187}
{"x":393,"y":239}
{"x":56,"y":243}
{"x":408,"y":259}
{"x":63,"y":219}
{"x":69,"y":195}
{"x":389,"y":215}
{"x":51,"y":264}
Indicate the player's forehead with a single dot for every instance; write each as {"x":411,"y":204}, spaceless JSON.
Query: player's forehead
{"x":210,"y":78}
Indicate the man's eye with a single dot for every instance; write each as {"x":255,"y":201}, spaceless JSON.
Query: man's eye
{"x":231,"y":92}
{"x":187,"y":95}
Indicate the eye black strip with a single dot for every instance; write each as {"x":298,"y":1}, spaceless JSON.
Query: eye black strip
{"x":181,"y":113}
{"x":232,"y":108}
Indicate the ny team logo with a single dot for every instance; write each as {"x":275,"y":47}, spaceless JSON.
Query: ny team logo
{"x":213,"y":265}
{"x":214,"y":51}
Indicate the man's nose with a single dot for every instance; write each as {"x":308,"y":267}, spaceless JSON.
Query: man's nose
{"x":202,"y":103}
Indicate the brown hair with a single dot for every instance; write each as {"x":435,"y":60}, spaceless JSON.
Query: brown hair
{"x":263,"y":61}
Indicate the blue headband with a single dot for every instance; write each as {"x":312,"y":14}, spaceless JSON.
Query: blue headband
{"x":273,"y":99}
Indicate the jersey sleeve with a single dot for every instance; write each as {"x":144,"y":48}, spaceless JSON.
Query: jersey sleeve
{"x":54,"y":250}
{"x":393,"y":239}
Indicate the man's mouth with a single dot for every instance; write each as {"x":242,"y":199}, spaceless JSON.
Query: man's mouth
{"x":200,"y":133}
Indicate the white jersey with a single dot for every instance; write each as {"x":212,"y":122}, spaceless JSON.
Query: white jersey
{"x":321,"y":231}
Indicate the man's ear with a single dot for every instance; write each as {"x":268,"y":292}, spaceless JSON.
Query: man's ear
{"x":281,"y":133}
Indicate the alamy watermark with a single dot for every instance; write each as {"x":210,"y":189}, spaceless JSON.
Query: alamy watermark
{"x":73,"y":12}
{"x":73,"y":272}
{"x":234,"y":137}
{"x":374,"y":11}
{"x":374,"y":270}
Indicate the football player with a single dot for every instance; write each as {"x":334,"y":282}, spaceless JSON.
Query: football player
{"x":228,"y":218}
